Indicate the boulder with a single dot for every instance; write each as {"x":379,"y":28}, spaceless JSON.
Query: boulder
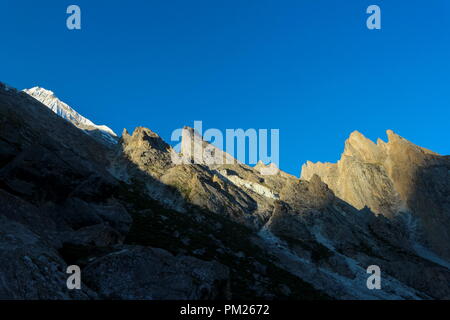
{"x":143,"y":273}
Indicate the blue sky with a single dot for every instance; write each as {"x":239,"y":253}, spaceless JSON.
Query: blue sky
{"x":310,"y":68}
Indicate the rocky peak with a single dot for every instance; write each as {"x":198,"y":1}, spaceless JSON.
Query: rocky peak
{"x":379,"y":176}
{"x":147,"y":138}
{"x":49,"y":99}
{"x":125,"y":133}
{"x":357,"y":145}
{"x":39,"y":91}
{"x":147,"y":150}
{"x":391,"y":178}
{"x":196,"y":150}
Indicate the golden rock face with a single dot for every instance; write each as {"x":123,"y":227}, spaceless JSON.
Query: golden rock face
{"x":392,"y":177}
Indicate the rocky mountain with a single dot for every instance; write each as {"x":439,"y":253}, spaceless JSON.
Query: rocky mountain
{"x":48,"y":98}
{"x":396,"y":179}
{"x":142,"y":225}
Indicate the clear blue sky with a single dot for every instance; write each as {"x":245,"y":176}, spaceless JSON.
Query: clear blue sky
{"x":308,"y":67}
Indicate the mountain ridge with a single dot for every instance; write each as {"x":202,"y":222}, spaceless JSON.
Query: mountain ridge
{"x":253,"y":236}
{"x":386,"y":177}
{"x":48,"y":98}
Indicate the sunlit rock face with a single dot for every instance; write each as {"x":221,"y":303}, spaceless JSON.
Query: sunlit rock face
{"x":394,"y":178}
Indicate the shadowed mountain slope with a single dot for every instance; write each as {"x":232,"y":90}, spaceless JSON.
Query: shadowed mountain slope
{"x":201,"y":231}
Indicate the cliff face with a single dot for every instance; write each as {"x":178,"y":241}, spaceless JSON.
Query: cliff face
{"x":210,"y":230}
{"x":395,"y":179}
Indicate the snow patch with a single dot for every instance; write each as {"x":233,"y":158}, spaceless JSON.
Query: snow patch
{"x":63,"y":110}
{"x":255,"y":187}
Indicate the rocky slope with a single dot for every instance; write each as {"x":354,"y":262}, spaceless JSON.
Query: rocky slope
{"x":143,"y":226}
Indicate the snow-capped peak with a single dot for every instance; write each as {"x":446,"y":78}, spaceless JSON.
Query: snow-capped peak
{"x":49,"y":99}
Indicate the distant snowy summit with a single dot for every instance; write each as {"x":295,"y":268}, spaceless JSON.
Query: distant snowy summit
{"x":48,"y":98}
